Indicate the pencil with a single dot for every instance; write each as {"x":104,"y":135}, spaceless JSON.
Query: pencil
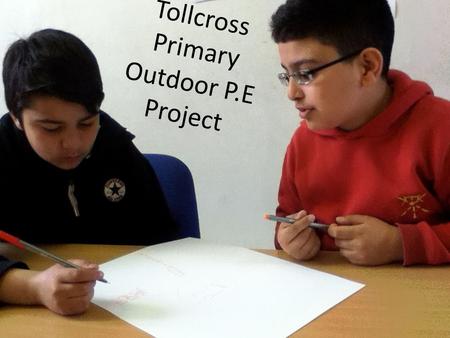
{"x":30,"y":247}
{"x":291,"y":220}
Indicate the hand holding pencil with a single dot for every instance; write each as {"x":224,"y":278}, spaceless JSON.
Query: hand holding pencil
{"x":298,"y":238}
{"x":62,"y":290}
{"x":290,"y":220}
{"x":66,"y":291}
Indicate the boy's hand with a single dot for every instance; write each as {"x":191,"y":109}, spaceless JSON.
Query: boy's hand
{"x":297,"y":239}
{"x":366,"y":240}
{"x":66,"y":291}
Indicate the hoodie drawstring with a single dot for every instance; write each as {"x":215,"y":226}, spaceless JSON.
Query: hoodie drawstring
{"x":73,"y":199}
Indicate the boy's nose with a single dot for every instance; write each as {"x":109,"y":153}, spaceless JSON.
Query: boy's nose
{"x":294,"y":90}
{"x":71,"y":142}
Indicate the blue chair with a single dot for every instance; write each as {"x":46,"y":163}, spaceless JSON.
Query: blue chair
{"x":177,"y":185}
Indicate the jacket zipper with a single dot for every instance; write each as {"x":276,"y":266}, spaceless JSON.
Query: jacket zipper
{"x":73,"y":199}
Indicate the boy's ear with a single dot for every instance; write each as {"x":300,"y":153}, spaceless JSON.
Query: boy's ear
{"x":371,"y":63}
{"x":16,"y":121}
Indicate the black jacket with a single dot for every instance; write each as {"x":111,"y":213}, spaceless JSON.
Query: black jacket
{"x":34,"y":195}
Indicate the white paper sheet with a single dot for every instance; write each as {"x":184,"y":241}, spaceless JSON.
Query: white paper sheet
{"x":193,"y":288}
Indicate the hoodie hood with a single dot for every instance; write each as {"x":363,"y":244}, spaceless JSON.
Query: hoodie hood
{"x":110,"y":130}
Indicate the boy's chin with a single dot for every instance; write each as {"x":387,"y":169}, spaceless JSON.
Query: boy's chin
{"x":316,"y":126}
{"x":66,"y":164}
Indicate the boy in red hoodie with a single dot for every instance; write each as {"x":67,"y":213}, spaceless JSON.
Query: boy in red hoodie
{"x":371,"y":156}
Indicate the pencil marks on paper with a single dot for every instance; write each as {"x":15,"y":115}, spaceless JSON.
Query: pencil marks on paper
{"x":170,"y":268}
{"x":199,"y":292}
{"x":130,"y":296}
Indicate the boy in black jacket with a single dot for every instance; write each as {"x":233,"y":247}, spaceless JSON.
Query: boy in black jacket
{"x":69,"y":172}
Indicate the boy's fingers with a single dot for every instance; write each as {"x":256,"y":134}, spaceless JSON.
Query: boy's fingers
{"x":74,"y":306}
{"x":298,"y":226}
{"x":72,"y":275}
{"x":81,"y":290}
{"x":297,"y":215}
{"x":84,"y":264}
{"x":75,"y":290}
{"x":351,"y":219}
{"x":332,"y":230}
{"x":291,"y":231}
{"x":344,"y":243}
{"x":301,"y":233}
{"x":342,"y":231}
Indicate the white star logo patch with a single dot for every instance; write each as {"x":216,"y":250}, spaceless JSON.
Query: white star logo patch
{"x":114,"y":190}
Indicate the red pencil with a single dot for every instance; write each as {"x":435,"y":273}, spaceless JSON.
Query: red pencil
{"x":30,"y":247}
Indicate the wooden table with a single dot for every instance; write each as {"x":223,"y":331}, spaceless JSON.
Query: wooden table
{"x":396,"y":302}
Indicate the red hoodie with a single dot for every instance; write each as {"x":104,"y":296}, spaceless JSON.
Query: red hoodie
{"x":396,"y":168}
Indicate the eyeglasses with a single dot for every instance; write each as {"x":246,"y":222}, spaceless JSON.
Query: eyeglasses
{"x":305,"y":76}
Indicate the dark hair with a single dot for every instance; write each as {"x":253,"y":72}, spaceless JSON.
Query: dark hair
{"x":348,"y":25}
{"x":51,"y":63}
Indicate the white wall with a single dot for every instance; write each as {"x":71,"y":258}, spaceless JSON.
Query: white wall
{"x":422,"y":44}
{"x":236,"y":170}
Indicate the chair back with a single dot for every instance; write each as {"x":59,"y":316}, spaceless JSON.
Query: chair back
{"x":177,"y":185}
